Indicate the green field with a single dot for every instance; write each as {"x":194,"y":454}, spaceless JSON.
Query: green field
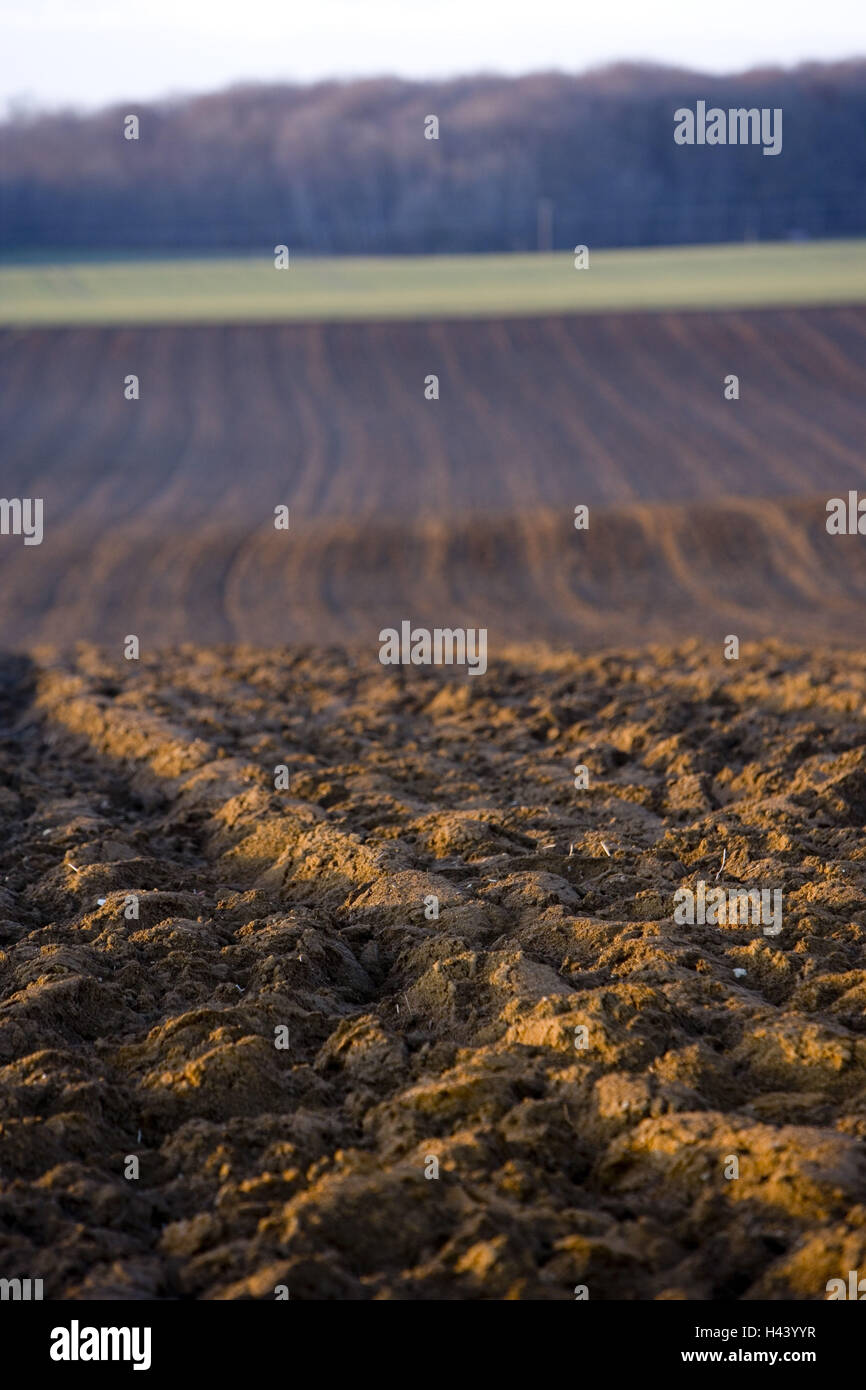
{"x":114,"y":291}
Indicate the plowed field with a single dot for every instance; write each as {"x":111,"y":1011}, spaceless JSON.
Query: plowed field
{"x":410,"y":1040}
{"x":159,"y":512}
{"x":578,"y":1066}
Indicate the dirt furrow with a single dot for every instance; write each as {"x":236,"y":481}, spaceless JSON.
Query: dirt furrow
{"x":414,"y":1018}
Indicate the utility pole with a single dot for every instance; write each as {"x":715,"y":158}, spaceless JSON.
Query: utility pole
{"x":545,"y":224}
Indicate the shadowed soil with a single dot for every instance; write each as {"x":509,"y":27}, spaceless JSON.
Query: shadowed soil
{"x":411,"y":1038}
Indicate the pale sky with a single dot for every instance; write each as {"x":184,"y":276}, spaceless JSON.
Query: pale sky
{"x":88,"y":53}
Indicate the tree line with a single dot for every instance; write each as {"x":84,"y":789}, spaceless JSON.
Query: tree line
{"x":547,"y":160}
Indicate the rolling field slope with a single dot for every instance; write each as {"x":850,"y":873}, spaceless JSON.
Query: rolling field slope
{"x":267,"y":910}
{"x":159,"y":512}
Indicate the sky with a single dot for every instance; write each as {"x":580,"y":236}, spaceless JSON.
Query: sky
{"x":89,"y":53}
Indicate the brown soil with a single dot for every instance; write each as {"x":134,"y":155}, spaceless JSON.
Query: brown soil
{"x":707,"y":515}
{"x":412,"y":1038}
